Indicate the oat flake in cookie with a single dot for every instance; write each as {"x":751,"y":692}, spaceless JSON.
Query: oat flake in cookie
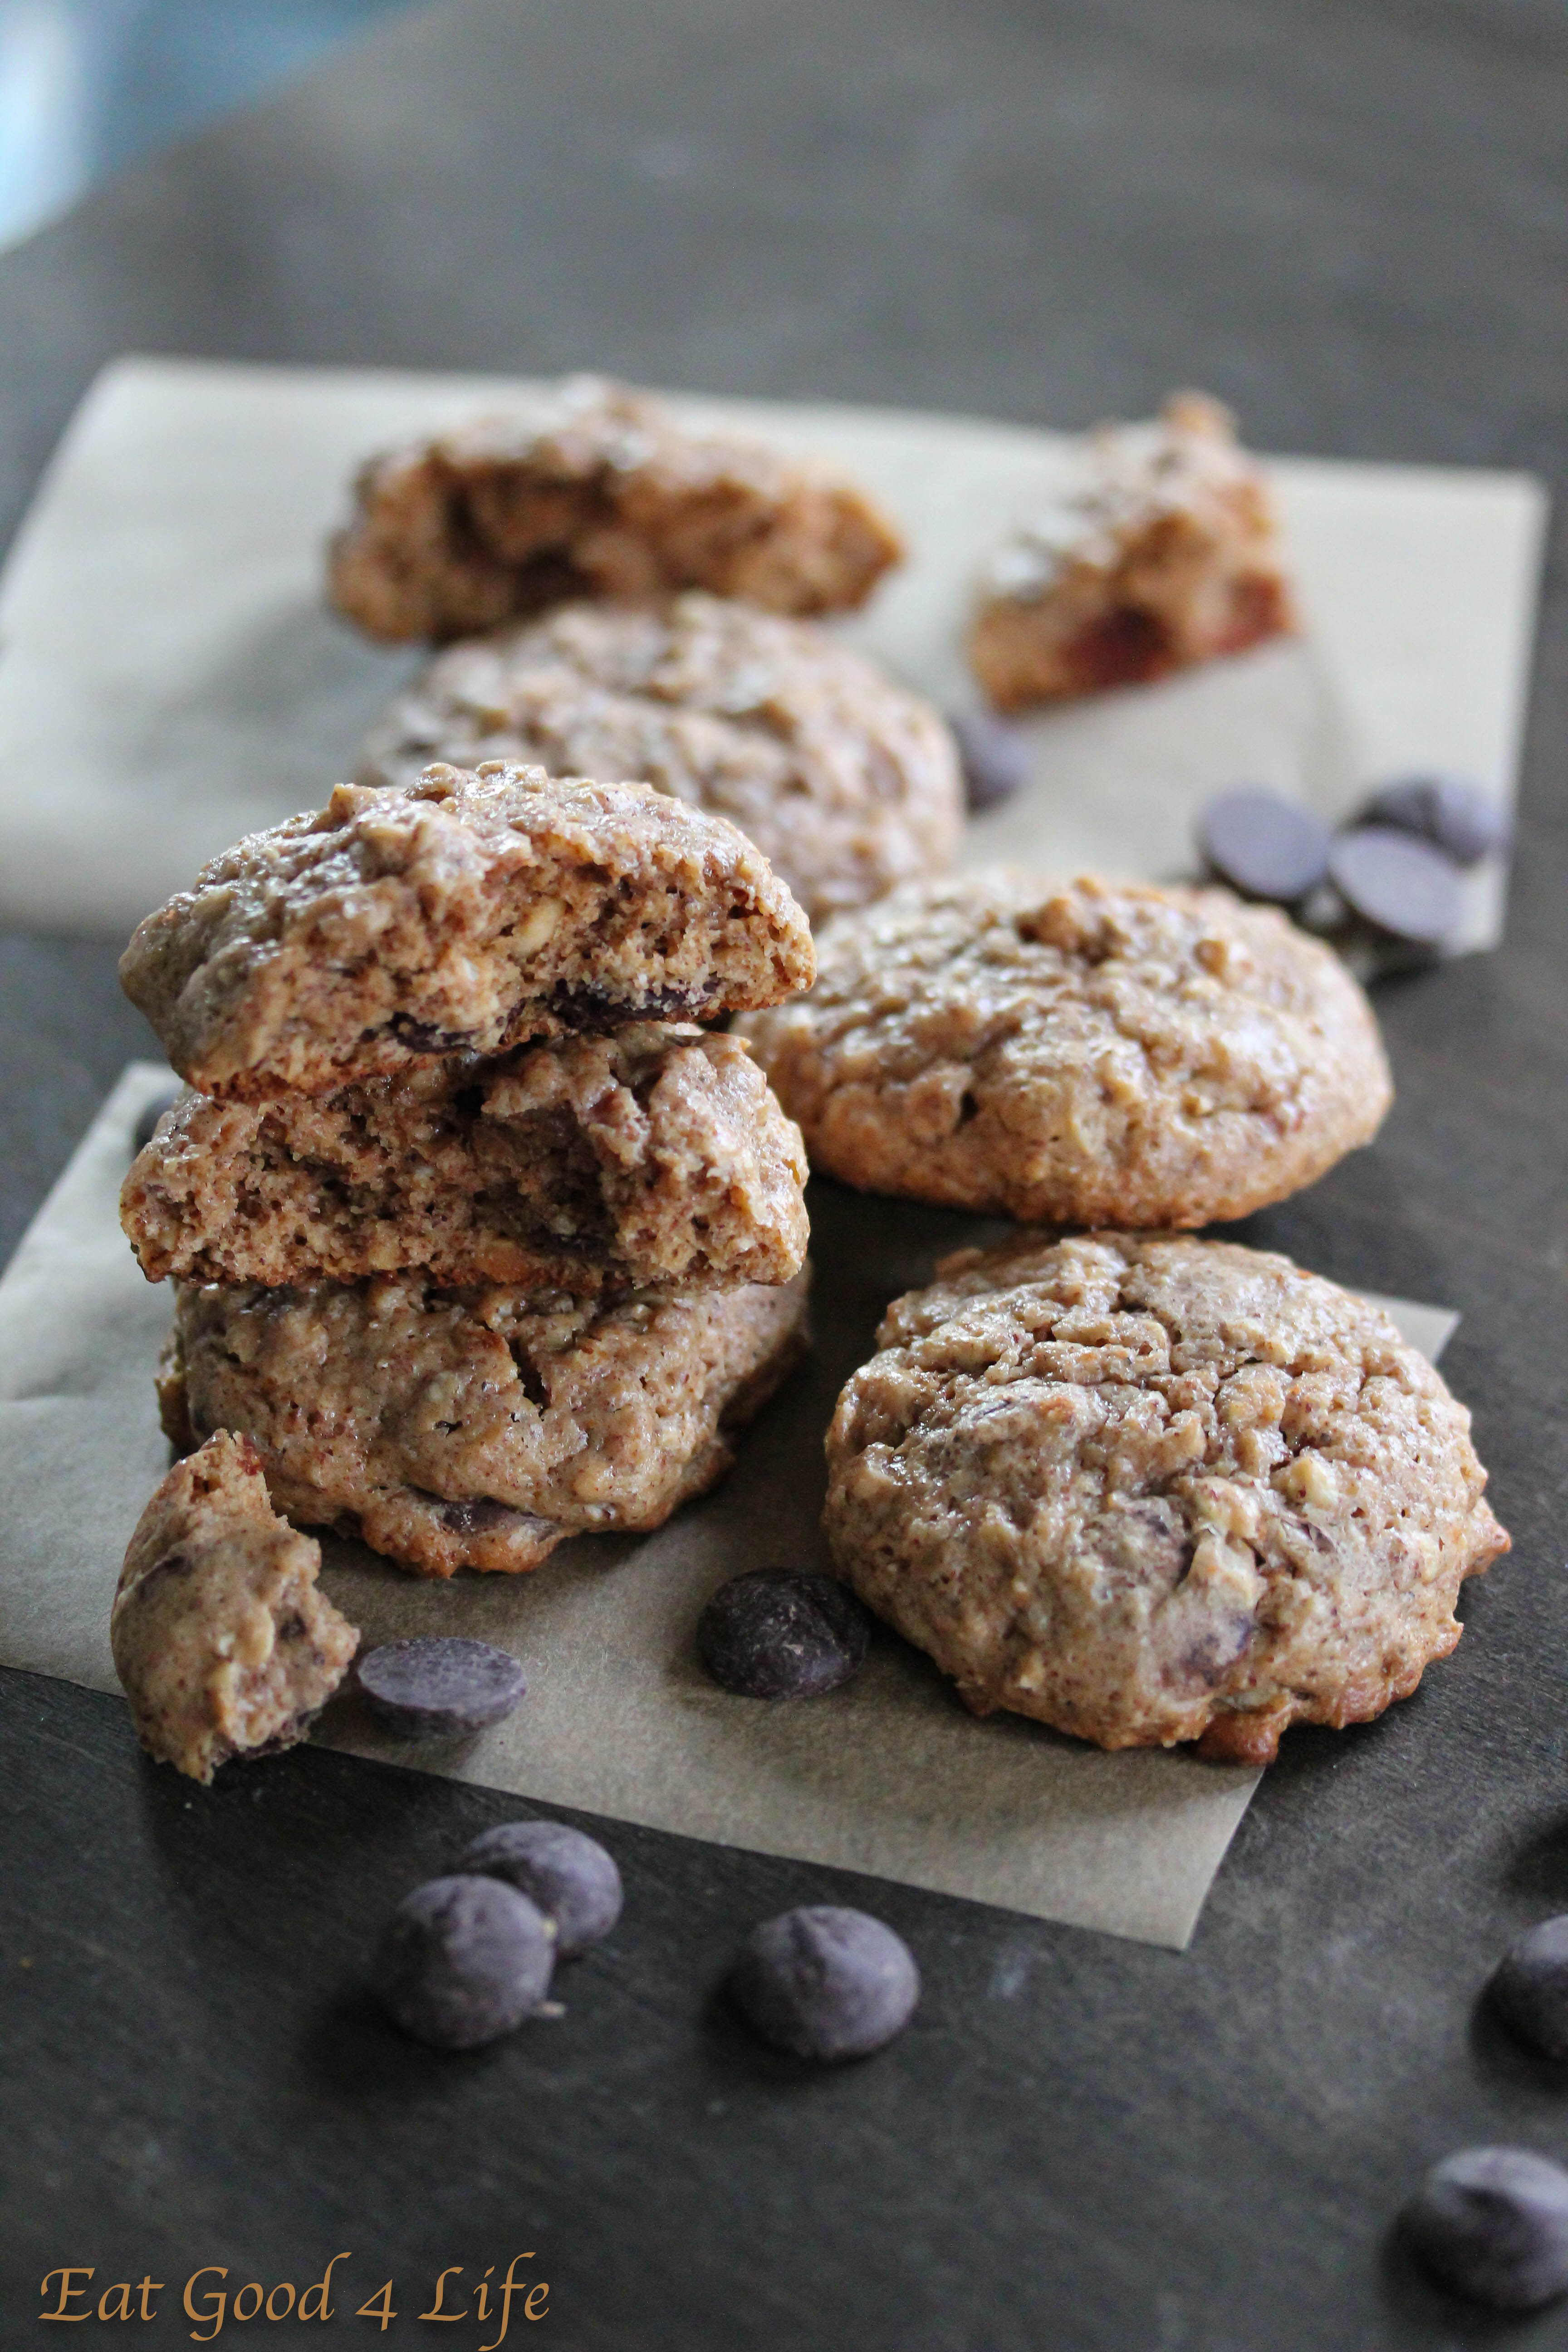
{"x":1149,"y":1489}
{"x":222,"y":1642}
{"x":465,"y":913}
{"x":1087,"y":1054}
{"x":848,"y":784}
{"x":589,"y":489}
{"x":475,"y":1428}
{"x":658,"y":1155}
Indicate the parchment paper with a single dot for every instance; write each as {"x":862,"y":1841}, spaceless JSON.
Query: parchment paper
{"x":888,"y":1775}
{"x":170,"y":679}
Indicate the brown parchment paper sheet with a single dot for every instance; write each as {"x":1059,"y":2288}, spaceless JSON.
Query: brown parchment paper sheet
{"x":887,"y":1775}
{"x":167,"y":666}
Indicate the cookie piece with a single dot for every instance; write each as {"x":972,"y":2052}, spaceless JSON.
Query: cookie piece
{"x":465,"y":913}
{"x":658,"y":1155}
{"x":476,"y":1428}
{"x":590,"y":488}
{"x":847,"y":783}
{"x":222,"y":1642}
{"x":1162,"y":550}
{"x":1091,"y":1053}
{"x":1151,"y":1489}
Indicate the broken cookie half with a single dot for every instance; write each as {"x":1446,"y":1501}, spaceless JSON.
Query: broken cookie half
{"x":221,"y":1640}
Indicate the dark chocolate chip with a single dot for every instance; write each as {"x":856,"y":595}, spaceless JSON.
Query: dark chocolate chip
{"x":994,"y":758}
{"x":1466,"y":824}
{"x":569,"y":1877}
{"x":825,"y":1983}
{"x":776,"y":1633}
{"x":1264,"y":846}
{"x":1530,"y":1987}
{"x":425,"y":1037}
{"x":462,"y":1960}
{"x":141,"y":1133}
{"x":440,"y":1688}
{"x":1397,"y":884}
{"x":579,"y":1006}
{"x":1492,"y":2223}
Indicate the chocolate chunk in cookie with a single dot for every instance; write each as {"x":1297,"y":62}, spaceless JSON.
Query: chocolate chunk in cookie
{"x":465,"y":913}
{"x":222,"y":1642}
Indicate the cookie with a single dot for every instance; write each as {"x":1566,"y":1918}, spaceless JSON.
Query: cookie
{"x":1151,"y":1489}
{"x":476,"y":1428}
{"x":590,"y":488}
{"x":1089,"y":1053}
{"x":222,"y":1642}
{"x":1163,"y":549}
{"x":658,"y":1155}
{"x":464,"y":913}
{"x":846,"y":782}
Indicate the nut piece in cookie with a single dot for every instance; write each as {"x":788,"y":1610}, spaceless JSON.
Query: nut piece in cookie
{"x":1161,"y":552}
{"x":475,"y":1428}
{"x":222,"y":1642}
{"x":847,"y":782}
{"x":1083,"y":1053}
{"x":1151,"y":1489}
{"x":592,"y":490}
{"x":465,"y":913}
{"x":658,"y":1155}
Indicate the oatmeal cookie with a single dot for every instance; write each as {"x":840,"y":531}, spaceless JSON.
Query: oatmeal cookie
{"x":1087,"y":1054}
{"x":222,"y":1642}
{"x":1151,"y":1489}
{"x":475,"y":1428}
{"x":464,"y":913}
{"x":847,"y":782}
{"x":658,"y":1155}
{"x":1163,"y":552}
{"x":592,"y":490}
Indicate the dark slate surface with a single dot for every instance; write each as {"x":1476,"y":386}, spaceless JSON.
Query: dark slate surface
{"x":1349,"y":219}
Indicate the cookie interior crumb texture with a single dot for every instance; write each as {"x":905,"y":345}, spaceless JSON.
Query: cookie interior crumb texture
{"x":1149,"y":1489}
{"x":1162,"y":550}
{"x":220,"y":1637}
{"x":1088,"y":1054}
{"x":590,"y":488}
{"x":848,"y":784}
{"x":465,"y":913}
{"x":658,"y":1155}
{"x":475,"y":1428}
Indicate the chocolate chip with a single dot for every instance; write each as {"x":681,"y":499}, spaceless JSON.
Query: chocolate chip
{"x":440,"y":1688}
{"x":425,"y":1037}
{"x":1492,"y":2223}
{"x":569,"y":1876}
{"x":141,"y":1133}
{"x":462,"y":1960}
{"x":1399,"y":885}
{"x":994,"y":758}
{"x":579,"y":1006}
{"x":1530,"y":1987}
{"x":825,"y":1983}
{"x":1466,"y":824}
{"x":778,"y":1633}
{"x":1264,"y":846}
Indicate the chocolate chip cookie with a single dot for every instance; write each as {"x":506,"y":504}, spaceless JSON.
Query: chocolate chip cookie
{"x":589,"y":489}
{"x":1088,"y":1054}
{"x":222,"y":1642}
{"x":1151,"y":1489}
{"x":464,"y":913}
{"x":475,"y":1428}
{"x":1160,"y":551}
{"x":847,"y":782}
{"x":658,"y":1155}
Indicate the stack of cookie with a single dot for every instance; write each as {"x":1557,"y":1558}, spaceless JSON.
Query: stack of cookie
{"x":478,"y":1240}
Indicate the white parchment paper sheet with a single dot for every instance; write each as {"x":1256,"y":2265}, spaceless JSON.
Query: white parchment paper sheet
{"x":888,"y":1775}
{"x":170,"y":679}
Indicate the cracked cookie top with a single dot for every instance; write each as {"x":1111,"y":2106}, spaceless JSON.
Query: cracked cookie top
{"x":1082,"y":1053}
{"x":1151,"y":1489}
{"x":463,"y":913}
